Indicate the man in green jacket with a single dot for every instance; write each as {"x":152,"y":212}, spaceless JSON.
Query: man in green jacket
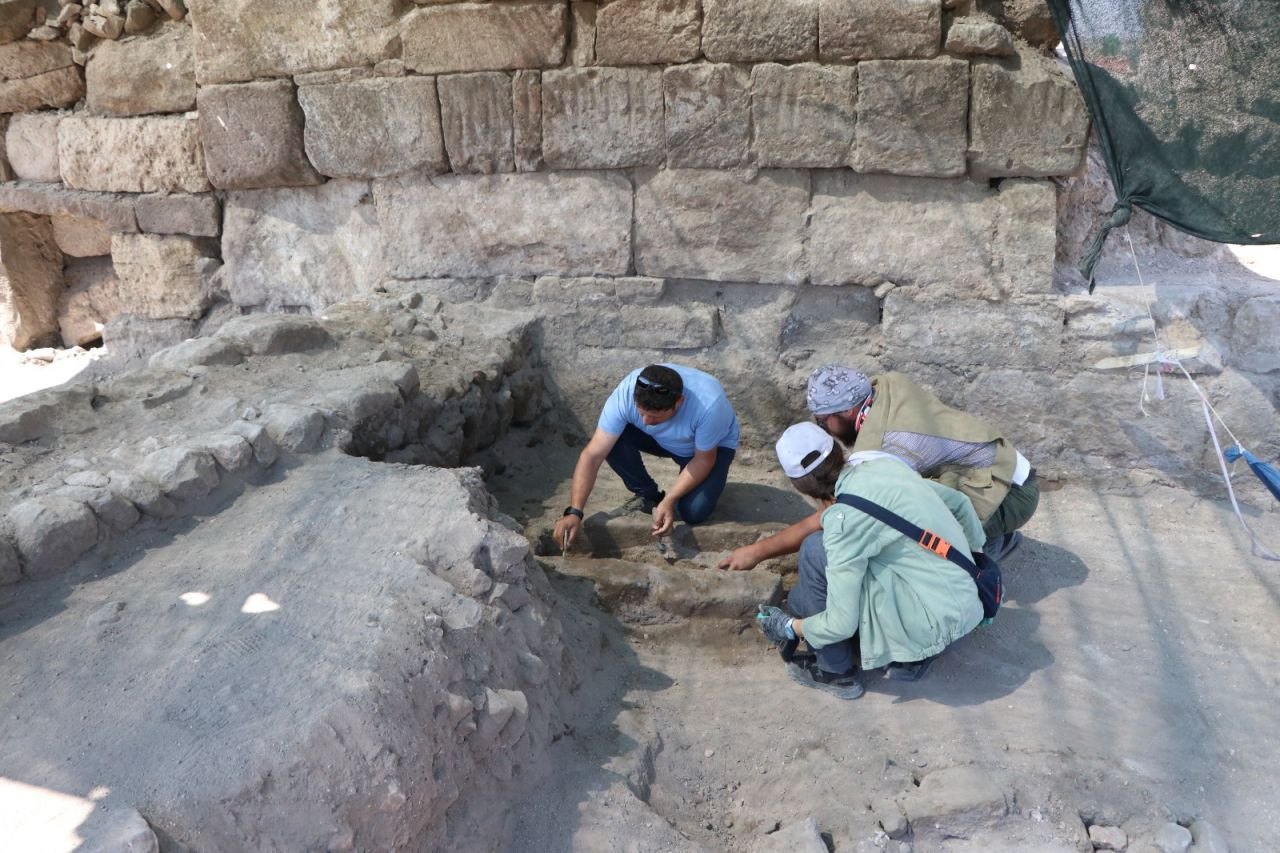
{"x":891,"y":413}
{"x":868,"y":596}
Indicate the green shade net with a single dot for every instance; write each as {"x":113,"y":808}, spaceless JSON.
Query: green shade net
{"x":1185,"y":98}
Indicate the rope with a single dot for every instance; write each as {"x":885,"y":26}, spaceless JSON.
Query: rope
{"x":1163,"y":358}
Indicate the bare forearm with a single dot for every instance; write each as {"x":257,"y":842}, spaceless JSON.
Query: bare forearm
{"x":788,"y":540}
{"x":584,"y":479}
{"x":692,"y":474}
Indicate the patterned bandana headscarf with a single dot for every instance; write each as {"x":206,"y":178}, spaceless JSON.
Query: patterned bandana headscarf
{"x":833,"y":388}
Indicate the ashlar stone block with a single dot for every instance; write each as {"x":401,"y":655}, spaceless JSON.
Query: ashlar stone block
{"x":373,"y":128}
{"x":647,"y":32}
{"x":252,"y":136}
{"x":956,"y":235}
{"x":145,"y":154}
{"x":975,"y":36}
{"x":240,"y":40}
{"x":163,"y":277}
{"x":305,"y":247}
{"x":759,"y":30}
{"x":36,"y":74}
{"x":526,"y":113}
{"x":920,"y":329}
{"x":30,"y":281}
{"x":602,"y":118}
{"x":1028,"y":121}
{"x":477,"y":226}
{"x":879,"y":29}
{"x":722,"y":225}
{"x":90,"y":301}
{"x":196,"y":215}
{"x":708,"y":115}
{"x":81,"y":238}
{"x":145,"y":74}
{"x":804,"y":115}
{"x":485,"y":36}
{"x":31,"y":143}
{"x":911,"y":117}
{"x":476,"y":113}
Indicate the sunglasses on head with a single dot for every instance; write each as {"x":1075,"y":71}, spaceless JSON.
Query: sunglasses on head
{"x":656,"y":387}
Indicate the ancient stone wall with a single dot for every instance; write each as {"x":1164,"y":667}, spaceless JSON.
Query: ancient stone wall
{"x":751,"y":186}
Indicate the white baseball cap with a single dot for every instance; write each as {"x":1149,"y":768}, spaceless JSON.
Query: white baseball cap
{"x":799,"y":441}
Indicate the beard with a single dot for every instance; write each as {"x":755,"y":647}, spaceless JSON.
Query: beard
{"x":843,"y":429}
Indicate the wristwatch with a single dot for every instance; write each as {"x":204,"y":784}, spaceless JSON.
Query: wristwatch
{"x":573,"y":510}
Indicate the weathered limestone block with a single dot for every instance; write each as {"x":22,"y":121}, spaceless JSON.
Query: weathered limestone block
{"x":979,"y":37}
{"x":582,"y":33}
{"x":138,"y":17}
{"x":81,"y":238}
{"x":526,"y":116}
{"x":90,"y":300}
{"x":37,"y":74}
{"x":146,"y":74}
{"x":275,"y":334}
{"x":232,"y":452}
{"x":1030,"y":20}
{"x":16,"y":19}
{"x":151,"y":154}
{"x":238,"y":40}
{"x":373,"y":128}
{"x":941,"y":332}
{"x":114,"y":209}
{"x":485,"y":36}
{"x":264,"y":446}
{"x":647,"y":32}
{"x":804,"y":114}
{"x":1255,"y":330}
{"x":252,"y":136}
{"x":868,"y":229}
{"x":722,"y":225}
{"x":708,"y":115}
{"x":142,"y":493}
{"x":879,"y":29}
{"x":163,"y":277}
{"x":31,"y":143}
{"x":664,"y":327}
{"x":476,"y":114}
{"x":113,"y":510}
{"x":911,"y":117}
{"x":1025,"y":238}
{"x":182,"y":473}
{"x":759,"y":30}
{"x":30,"y":281}
{"x":956,"y":802}
{"x":295,"y":428}
{"x":1028,"y":121}
{"x":196,"y":215}
{"x":197,"y":352}
{"x":131,"y":339}
{"x":602,"y":118}
{"x":521,"y":224}
{"x":52,"y":533}
{"x":307,"y":247}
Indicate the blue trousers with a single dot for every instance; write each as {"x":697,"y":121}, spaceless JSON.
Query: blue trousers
{"x":694,"y":507}
{"x":809,"y":598}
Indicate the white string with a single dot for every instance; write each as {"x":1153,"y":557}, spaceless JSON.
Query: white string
{"x":1163,"y":358}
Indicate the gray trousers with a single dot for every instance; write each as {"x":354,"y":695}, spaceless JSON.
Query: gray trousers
{"x":809,"y":598}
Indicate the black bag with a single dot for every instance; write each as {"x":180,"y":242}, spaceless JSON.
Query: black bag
{"x":984,"y":570}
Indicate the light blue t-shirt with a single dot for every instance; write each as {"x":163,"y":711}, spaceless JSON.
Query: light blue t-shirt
{"x":704,"y":420}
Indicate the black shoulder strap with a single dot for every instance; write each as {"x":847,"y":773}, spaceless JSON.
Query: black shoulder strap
{"x":924,"y":538}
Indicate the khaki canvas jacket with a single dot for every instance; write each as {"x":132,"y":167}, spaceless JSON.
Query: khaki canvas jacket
{"x":903,"y":406}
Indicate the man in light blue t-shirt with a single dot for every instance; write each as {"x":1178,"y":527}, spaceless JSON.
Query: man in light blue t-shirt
{"x":664,"y":410}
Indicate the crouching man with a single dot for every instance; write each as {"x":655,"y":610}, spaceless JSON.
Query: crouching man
{"x":664,"y":410}
{"x":869,"y":597}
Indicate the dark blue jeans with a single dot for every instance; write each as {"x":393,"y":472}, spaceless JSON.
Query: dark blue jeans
{"x":809,"y":598}
{"x":694,"y":507}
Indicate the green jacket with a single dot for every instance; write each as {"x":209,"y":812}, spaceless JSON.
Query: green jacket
{"x":903,"y":406}
{"x":904,"y":602}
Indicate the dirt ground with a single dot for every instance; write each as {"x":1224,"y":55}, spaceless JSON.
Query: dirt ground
{"x":1128,"y":681}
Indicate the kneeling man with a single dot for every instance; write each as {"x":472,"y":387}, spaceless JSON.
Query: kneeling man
{"x":665,"y":410}
{"x":868,"y":596}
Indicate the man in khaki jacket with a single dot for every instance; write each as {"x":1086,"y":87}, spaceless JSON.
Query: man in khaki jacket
{"x":893,"y":414}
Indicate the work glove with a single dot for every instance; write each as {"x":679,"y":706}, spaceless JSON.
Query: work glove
{"x":775,"y":623}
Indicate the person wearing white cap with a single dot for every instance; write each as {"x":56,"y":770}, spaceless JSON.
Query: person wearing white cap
{"x":890,"y":412}
{"x":868,"y":596}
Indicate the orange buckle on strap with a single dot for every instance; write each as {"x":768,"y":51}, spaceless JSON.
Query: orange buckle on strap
{"x":935,"y":543}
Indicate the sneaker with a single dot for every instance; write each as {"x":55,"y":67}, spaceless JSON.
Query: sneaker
{"x":1002,"y":546}
{"x":846,"y":686}
{"x":909,"y":671}
{"x":639,"y":503}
